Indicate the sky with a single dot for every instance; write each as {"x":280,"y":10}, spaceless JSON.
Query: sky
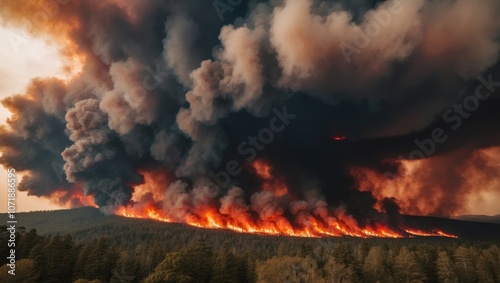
{"x":24,"y":57}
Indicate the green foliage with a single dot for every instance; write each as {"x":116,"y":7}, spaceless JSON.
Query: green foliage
{"x":131,"y":250}
{"x":288,"y":269}
{"x":25,"y":272}
{"x":445,"y":271}
{"x":191,"y":264}
{"x":375,"y":265}
{"x":337,"y":270}
{"x":407,"y":269}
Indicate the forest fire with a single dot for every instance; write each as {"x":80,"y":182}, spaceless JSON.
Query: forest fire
{"x":75,"y":198}
{"x":264,"y":216}
{"x":335,"y":228}
{"x":163,"y":98}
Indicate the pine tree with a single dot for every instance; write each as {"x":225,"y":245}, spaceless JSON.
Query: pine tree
{"x":191,"y":264}
{"x":406,"y":268}
{"x":427,"y":256}
{"x":28,"y":242}
{"x":374,"y":266}
{"x":81,"y":260}
{"x":362,"y":251}
{"x":287,"y":269}
{"x":100,"y":262}
{"x":225,"y":267}
{"x":25,"y":272}
{"x":338,"y":271}
{"x":305,"y":250}
{"x":485,"y":272}
{"x":445,"y":271}
{"x":464,"y":264}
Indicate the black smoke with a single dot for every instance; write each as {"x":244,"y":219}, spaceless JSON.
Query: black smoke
{"x":170,"y":84}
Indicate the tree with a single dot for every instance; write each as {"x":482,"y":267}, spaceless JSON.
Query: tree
{"x":305,"y":250}
{"x":464,"y":264}
{"x":126,"y":268}
{"x":339,"y":272}
{"x":374,"y":266}
{"x":362,"y":251}
{"x":25,"y":272}
{"x":406,"y":268}
{"x":287,"y":269}
{"x":426,"y":257}
{"x":485,"y":272}
{"x":225,"y":267}
{"x":100,"y":262}
{"x":445,"y":271}
{"x":192,"y":264}
{"x":28,"y":242}
{"x":343,"y":253}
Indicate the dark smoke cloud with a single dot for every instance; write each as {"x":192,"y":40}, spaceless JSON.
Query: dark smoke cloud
{"x":169,"y":84}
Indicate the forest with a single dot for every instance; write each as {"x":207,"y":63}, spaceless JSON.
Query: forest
{"x":134,"y":250}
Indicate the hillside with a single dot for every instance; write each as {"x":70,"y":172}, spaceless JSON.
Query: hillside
{"x":480,"y":218}
{"x":87,"y":222}
{"x":84,"y":244}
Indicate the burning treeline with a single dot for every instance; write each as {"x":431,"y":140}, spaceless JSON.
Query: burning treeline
{"x":166,"y":91}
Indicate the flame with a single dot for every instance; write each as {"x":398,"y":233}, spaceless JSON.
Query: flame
{"x":73,"y":197}
{"x":270,"y":184}
{"x":149,"y":203}
{"x":433,"y":233}
{"x":212,"y":219}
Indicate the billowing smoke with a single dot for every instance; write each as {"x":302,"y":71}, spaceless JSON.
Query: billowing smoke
{"x":235,"y":106}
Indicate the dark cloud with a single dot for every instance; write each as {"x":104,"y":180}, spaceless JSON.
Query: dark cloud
{"x":171,"y":85}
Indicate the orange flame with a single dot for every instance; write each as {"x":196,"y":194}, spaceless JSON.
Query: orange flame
{"x":433,"y":233}
{"x":334,"y":228}
{"x":235,"y":215}
{"x":73,"y":197}
{"x":270,"y":184}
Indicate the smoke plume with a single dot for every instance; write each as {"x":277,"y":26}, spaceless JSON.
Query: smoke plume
{"x":181,"y":114}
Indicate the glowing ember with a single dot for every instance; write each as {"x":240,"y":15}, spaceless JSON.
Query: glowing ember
{"x":434,"y":233}
{"x":338,"y":138}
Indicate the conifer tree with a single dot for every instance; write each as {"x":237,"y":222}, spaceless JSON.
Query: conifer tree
{"x":406,"y":268}
{"x":445,"y":270}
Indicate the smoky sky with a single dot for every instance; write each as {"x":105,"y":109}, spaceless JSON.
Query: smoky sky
{"x":171,"y":85}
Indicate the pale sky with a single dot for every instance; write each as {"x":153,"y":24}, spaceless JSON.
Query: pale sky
{"x":23,"y":58}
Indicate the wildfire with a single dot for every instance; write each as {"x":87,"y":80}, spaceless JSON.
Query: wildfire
{"x":317,"y":229}
{"x":75,"y":197}
{"x":433,"y":233}
{"x":265,"y":216}
{"x":270,"y":184}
